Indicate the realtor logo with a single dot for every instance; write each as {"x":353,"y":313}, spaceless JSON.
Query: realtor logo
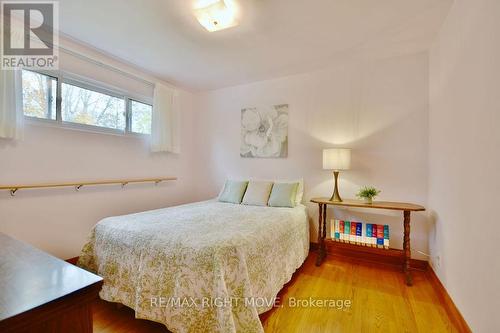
{"x":29,"y":35}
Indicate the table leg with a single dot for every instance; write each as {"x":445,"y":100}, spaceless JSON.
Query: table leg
{"x":407,"y":248}
{"x":324,"y":230}
{"x":321,"y":240}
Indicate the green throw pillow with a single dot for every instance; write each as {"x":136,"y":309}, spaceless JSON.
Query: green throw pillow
{"x":283,"y":195}
{"x":233,"y":191}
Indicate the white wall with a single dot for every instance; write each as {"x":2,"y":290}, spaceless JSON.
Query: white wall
{"x":464,"y":160}
{"x":379,"y":108}
{"x":59,"y":220}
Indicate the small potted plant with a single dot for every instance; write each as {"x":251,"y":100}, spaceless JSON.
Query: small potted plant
{"x":367,"y":193}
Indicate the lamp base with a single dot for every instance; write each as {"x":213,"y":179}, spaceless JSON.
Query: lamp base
{"x":336,"y":196}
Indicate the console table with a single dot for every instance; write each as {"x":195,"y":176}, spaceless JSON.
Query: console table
{"x":406,"y":208}
{"x":40,"y":293}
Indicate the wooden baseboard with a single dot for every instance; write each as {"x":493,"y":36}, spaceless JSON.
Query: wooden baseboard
{"x":445,"y":299}
{"x":391,"y":257}
{"x":73,"y":260}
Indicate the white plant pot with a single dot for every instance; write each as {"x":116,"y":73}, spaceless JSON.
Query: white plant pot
{"x":368,"y":200}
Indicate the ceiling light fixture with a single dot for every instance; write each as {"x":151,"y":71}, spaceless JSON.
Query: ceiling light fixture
{"x":216,"y":15}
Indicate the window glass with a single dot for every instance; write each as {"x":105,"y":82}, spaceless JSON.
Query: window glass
{"x":141,"y":115}
{"x":84,"y":106}
{"x":39,"y":95}
{"x":83,"y":103}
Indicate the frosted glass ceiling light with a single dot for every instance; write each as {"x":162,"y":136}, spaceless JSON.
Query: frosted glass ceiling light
{"x":216,"y":15}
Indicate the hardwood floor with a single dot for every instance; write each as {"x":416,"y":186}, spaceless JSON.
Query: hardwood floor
{"x":381,"y":302}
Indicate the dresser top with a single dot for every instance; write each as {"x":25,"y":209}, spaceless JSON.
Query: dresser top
{"x":30,"y":277}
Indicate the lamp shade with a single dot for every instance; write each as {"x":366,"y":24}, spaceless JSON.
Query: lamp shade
{"x":337,"y":159}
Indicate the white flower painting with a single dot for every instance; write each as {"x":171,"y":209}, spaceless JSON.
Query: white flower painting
{"x":264,"y":132}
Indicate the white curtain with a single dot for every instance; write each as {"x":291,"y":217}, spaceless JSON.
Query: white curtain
{"x":11,"y":105}
{"x":165,"y":122}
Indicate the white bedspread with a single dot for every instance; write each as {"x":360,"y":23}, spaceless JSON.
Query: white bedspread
{"x":202,"y":267}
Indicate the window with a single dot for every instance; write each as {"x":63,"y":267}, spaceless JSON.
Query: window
{"x":83,"y":104}
{"x":39,"y":93}
{"x":140,"y":117}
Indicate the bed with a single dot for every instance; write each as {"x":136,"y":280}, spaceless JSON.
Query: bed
{"x":202,"y":267}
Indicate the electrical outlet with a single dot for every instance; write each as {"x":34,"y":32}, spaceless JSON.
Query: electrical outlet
{"x":438,"y":261}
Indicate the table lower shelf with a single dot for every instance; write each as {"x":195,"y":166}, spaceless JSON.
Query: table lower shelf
{"x":349,"y":248}
{"x":373,"y":254}
{"x":337,"y":241}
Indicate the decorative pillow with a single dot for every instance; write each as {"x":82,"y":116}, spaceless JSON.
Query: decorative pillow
{"x":300,"y":188}
{"x":257,"y":193}
{"x":300,"y":191}
{"x":284,"y":195}
{"x":233,"y":191}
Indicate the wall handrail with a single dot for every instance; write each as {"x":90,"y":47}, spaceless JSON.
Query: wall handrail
{"x":78,"y":185}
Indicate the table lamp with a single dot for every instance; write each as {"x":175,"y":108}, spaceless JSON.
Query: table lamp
{"x":336,"y":159}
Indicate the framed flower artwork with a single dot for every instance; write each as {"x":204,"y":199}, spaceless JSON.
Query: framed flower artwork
{"x":264,"y":132}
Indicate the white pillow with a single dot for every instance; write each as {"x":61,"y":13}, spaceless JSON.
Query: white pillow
{"x":257,"y":193}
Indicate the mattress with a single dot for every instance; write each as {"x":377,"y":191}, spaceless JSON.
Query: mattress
{"x":202,"y":267}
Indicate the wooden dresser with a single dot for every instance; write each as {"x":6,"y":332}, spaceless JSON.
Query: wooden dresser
{"x":40,"y":293}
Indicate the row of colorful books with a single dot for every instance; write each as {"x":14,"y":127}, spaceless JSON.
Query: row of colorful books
{"x":367,"y":234}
